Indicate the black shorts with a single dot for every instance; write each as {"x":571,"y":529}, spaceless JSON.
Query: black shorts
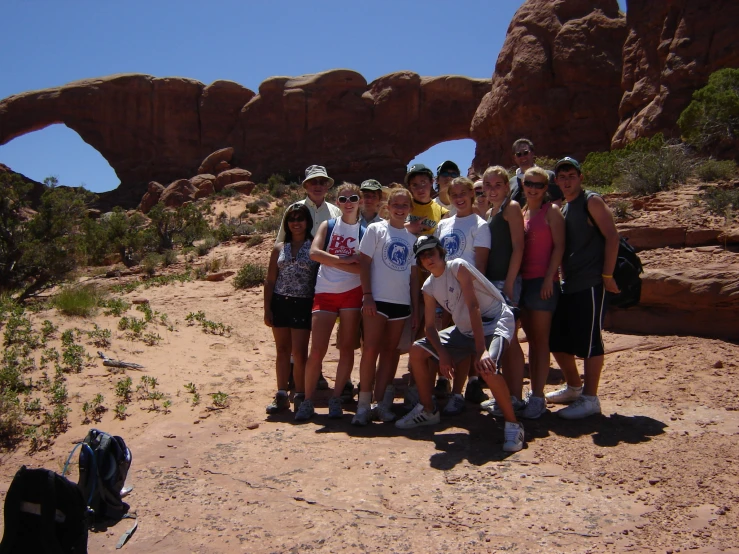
{"x":291,"y":312}
{"x":393,"y":311}
{"x":578,"y":322}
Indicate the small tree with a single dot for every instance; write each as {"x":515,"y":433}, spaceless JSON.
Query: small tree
{"x":184,"y":225}
{"x":711,"y":120}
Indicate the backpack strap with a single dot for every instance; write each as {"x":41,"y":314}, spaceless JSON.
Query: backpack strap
{"x":588,"y":195}
{"x":94,"y":465}
{"x":330,"y":224}
{"x":362,"y":231}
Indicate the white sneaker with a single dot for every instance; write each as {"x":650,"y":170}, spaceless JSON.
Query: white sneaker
{"x":362,"y":417}
{"x":418,"y":417}
{"x":536,"y":407}
{"x":454,"y":406}
{"x":491,"y":406}
{"x":514,"y":437}
{"x":582,"y":407}
{"x":565,"y":395}
{"x":383,"y":412}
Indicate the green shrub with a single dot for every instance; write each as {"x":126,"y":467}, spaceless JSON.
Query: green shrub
{"x":545,"y":162}
{"x":116,"y":307}
{"x":601,"y":169}
{"x":269,"y":224}
{"x":715,"y":170}
{"x":169,"y":257}
{"x":721,"y":201}
{"x":182,"y":226}
{"x":256,"y":239}
{"x":150,"y":262}
{"x":78,"y":300}
{"x":224,"y":232}
{"x":649,"y":172}
{"x":227,"y":193}
{"x":205,"y":246}
{"x":252,"y":207}
{"x":711,"y":120}
{"x":11,"y":414}
{"x":250,"y":275}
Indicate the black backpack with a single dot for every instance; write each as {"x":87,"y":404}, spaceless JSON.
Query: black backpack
{"x":103,"y":466}
{"x":44,"y":514}
{"x":627,"y":271}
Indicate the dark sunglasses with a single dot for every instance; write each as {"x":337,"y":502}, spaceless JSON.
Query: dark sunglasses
{"x":535,"y":185}
{"x":296,"y":218}
{"x":522,"y":154}
{"x":451,"y":174}
{"x":479,"y":192}
{"x":354,"y":198}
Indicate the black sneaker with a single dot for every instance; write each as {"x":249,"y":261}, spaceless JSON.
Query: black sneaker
{"x":474,"y":393}
{"x":279,"y":404}
{"x":347,"y":394}
{"x":443,"y":388}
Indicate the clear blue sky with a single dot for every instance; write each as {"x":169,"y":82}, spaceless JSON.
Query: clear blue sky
{"x":49,"y":43}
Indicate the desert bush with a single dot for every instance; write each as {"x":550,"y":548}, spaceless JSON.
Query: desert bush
{"x":715,"y":170}
{"x":150,"y":262}
{"x":224,"y":232}
{"x":78,"y":300}
{"x":721,"y":201}
{"x":711,"y":120}
{"x":601,"y":169}
{"x":182,"y":226}
{"x":251,"y":208}
{"x":621,"y":209}
{"x":227,"y":193}
{"x":269,"y":224}
{"x":653,"y":171}
{"x":250,"y":275}
{"x":256,"y":239}
{"x":545,"y":162}
{"x":205,"y":245}
{"x":115,"y":306}
{"x":169,"y":257}
{"x":11,"y":414}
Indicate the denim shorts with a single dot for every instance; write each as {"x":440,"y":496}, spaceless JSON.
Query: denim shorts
{"x":531,"y":296}
{"x":516,"y":290}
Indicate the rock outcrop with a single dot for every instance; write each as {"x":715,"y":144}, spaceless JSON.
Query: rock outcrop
{"x":671,"y":48}
{"x":152,"y":196}
{"x":556,"y":81}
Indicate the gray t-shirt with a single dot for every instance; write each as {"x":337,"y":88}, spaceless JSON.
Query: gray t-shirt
{"x":497,"y":318}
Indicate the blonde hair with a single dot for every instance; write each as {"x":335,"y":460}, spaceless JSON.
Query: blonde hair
{"x":537,"y":172}
{"x":348,"y":187}
{"x":499,"y":171}
{"x":399,"y":190}
{"x":469,"y":185}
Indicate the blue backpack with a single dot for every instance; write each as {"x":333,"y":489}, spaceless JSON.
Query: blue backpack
{"x":331,"y":223}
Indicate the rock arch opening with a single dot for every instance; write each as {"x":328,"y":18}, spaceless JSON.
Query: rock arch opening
{"x":459,"y":151}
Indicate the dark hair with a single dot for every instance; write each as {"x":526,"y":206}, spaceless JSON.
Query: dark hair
{"x":525,"y":141}
{"x":302,"y":208}
{"x":567,"y":167}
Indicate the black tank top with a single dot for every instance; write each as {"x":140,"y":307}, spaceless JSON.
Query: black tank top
{"x":582,"y":263}
{"x":501,"y":247}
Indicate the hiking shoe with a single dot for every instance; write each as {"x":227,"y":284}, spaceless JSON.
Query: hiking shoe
{"x":514,"y":437}
{"x":565,"y":395}
{"x":411,"y":398}
{"x":443,"y":388}
{"x":491,"y":406}
{"x":322,"y":383}
{"x":334,"y":408}
{"x":455,"y":406}
{"x":474,"y":393}
{"x":347,"y":393}
{"x":384,"y":413}
{"x":305,"y":411}
{"x":584,"y":406}
{"x":362,"y":417}
{"x":297,"y":400}
{"x":418,"y":417}
{"x":536,"y":407}
{"x":279,"y":404}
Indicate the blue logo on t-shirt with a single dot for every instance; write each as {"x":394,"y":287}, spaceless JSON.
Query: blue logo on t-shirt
{"x":395,"y":254}
{"x":454,"y":244}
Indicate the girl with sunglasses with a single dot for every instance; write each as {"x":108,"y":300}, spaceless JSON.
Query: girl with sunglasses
{"x":338,"y":292}
{"x":288,"y":300}
{"x":544,"y":228}
{"x":391,"y":288}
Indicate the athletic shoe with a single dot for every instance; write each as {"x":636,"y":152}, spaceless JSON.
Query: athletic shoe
{"x":411,"y":398}
{"x":347,"y":394}
{"x":443,"y":388}
{"x":297,"y":400}
{"x":582,"y":407}
{"x":362,"y":417}
{"x":565,"y":395}
{"x":514,"y":437}
{"x":474,"y":393}
{"x":536,"y":407}
{"x":454,"y":406}
{"x":305,"y":411}
{"x":491,"y":406}
{"x":334,"y":408}
{"x":280,"y":403}
{"x":322,"y":383}
{"x":418,"y":417}
{"x":384,"y":413}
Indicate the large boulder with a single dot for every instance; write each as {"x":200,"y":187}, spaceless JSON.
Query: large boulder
{"x":244,"y":187}
{"x":231,"y":176}
{"x":556,"y":81}
{"x":152,"y":196}
{"x":177,"y":193}
{"x":671,"y":49}
{"x":211,"y":162}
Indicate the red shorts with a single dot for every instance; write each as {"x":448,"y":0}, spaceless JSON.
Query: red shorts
{"x":333,"y":302}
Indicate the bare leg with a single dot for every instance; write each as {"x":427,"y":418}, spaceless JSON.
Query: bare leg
{"x":347,"y":341}
{"x":374,"y":330}
{"x":593,"y":368}
{"x":461,"y":370}
{"x":283,"y":344}
{"x":388,"y":359}
{"x":424,"y":376}
{"x":323,"y":324}
{"x":501,"y":393}
{"x":537,"y":323}
{"x":300,"y":340}
{"x":568,"y":365}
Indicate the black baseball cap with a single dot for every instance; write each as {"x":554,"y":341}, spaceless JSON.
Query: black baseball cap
{"x":425,"y":242}
{"x":448,"y":166}
{"x":415,"y":169}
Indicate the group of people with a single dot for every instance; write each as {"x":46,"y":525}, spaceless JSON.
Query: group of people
{"x":445,"y":273}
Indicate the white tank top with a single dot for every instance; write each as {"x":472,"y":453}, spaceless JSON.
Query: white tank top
{"x":343,"y":242}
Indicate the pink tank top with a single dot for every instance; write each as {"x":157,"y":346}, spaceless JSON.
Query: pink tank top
{"x":538,"y":245}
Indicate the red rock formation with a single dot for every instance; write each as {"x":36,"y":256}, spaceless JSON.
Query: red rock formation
{"x":152,"y":196}
{"x":231,"y":176}
{"x":213,"y":160}
{"x":177,"y":193}
{"x":671,"y":48}
{"x":244,"y":187}
{"x":556,"y":81}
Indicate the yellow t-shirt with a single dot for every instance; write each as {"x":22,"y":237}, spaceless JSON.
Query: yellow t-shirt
{"x":430,"y":214}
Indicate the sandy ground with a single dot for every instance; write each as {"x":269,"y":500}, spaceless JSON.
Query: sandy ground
{"x":656,"y":472}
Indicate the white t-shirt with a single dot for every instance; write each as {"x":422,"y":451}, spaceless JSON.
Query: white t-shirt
{"x":497,"y":318}
{"x":451,"y":207}
{"x":391,"y":251}
{"x":343,"y":242}
{"x":460,"y":235}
